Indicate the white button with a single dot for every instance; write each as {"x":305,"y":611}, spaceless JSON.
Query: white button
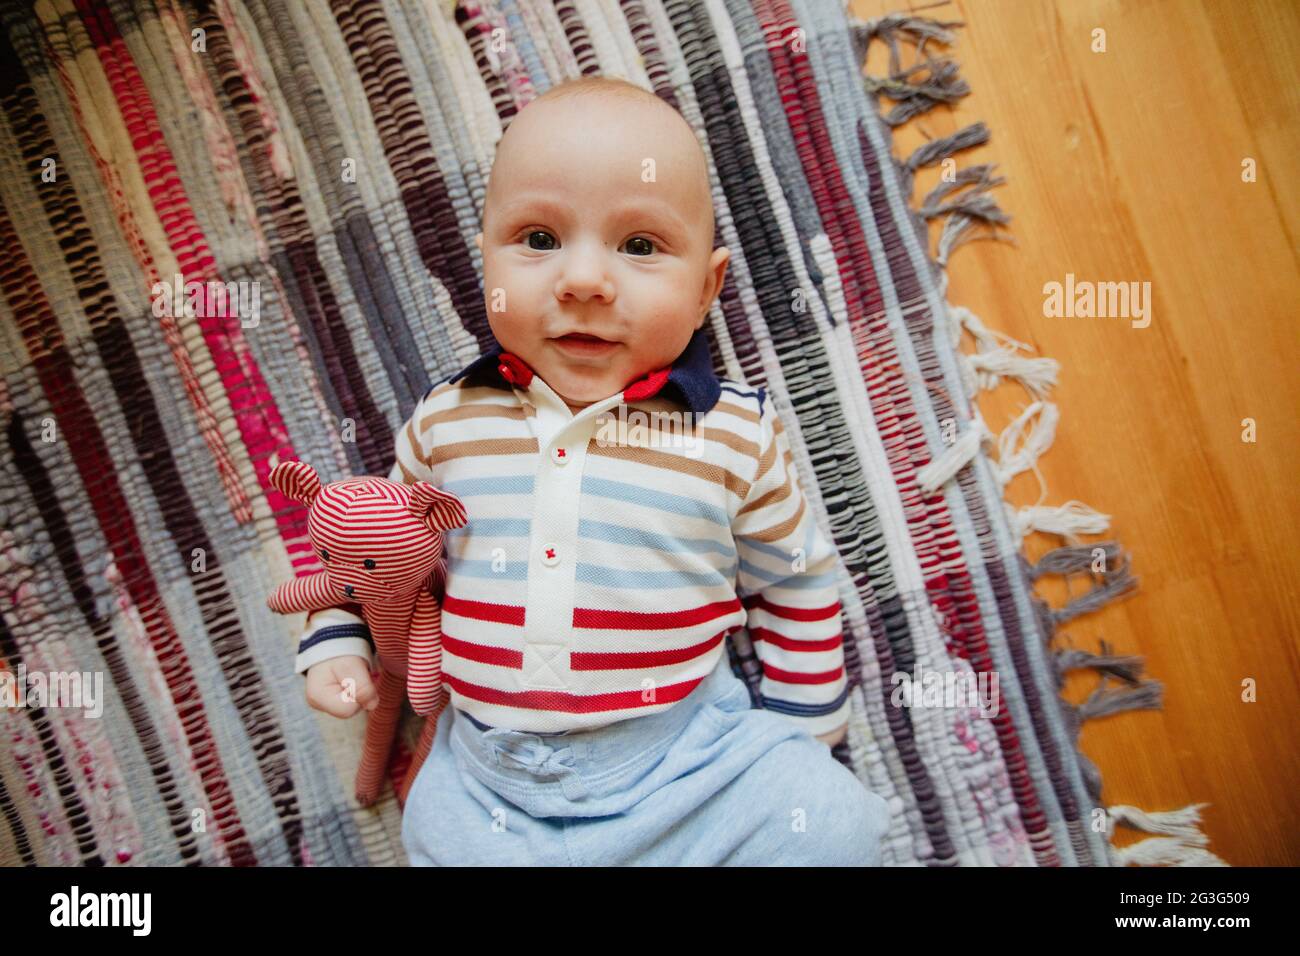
{"x":560,"y":456}
{"x":550,"y":554}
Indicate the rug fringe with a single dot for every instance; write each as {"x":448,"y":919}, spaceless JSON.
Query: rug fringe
{"x":944,"y":84}
{"x":1181,"y":842}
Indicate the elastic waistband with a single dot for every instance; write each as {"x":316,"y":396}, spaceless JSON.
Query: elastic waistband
{"x":482,"y":726}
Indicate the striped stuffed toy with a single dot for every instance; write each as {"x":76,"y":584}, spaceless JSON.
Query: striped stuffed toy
{"x":380,"y":542}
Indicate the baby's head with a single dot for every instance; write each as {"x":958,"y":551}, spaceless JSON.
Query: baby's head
{"x":598,"y":220}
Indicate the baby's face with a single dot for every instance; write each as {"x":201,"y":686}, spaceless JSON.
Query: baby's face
{"x":598,"y":220}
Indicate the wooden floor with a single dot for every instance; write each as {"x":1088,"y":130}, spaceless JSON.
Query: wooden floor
{"x":1127,"y":166}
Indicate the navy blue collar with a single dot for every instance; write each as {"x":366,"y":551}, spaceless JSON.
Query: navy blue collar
{"x":690,"y":380}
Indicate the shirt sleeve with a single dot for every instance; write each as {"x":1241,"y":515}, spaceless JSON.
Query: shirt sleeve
{"x":342,"y":631}
{"x":786,"y":579}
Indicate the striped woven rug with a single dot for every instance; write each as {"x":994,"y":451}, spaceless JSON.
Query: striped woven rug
{"x":327,"y":160}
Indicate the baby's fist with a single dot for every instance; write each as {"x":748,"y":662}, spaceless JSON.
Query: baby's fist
{"x":341,"y":686}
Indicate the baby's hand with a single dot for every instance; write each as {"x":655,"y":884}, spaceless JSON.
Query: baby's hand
{"x":341,"y":686}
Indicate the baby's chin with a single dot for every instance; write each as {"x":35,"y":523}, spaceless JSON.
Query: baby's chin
{"x":586,"y":394}
{"x":585,"y":386}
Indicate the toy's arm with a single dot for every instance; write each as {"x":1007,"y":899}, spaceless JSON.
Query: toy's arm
{"x":308,"y":593}
{"x":787,"y":581}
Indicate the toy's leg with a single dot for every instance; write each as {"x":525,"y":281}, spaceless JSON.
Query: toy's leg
{"x":422,"y":748}
{"x":381,"y":734}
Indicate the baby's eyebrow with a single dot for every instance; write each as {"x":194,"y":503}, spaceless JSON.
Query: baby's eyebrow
{"x":639,"y":206}
{"x":662,"y":207}
{"x":540,"y":203}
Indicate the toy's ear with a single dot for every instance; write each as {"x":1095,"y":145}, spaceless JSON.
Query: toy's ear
{"x":440,"y":510}
{"x":297,"y":480}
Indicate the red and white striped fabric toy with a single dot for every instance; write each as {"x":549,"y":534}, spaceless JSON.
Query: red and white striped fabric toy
{"x":380,"y":542}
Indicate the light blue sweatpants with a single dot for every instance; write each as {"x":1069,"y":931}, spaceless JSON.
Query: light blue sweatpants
{"x":709,"y":781}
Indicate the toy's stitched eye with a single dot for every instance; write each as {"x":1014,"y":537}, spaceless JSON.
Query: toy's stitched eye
{"x":369,"y":563}
{"x":324,"y":555}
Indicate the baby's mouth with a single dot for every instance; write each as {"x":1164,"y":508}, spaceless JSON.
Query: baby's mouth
{"x":580,"y":343}
{"x":583,"y":336}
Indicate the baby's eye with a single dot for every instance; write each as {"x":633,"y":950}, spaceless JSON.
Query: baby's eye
{"x":546,"y":235}
{"x":642,"y":243}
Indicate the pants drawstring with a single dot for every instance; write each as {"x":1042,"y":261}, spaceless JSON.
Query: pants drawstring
{"x":539,"y":759}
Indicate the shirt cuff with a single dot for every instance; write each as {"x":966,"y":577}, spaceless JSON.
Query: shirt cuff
{"x":330,"y":633}
{"x":819,"y":723}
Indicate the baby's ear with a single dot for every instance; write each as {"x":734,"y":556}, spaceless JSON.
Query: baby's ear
{"x":713,"y":280}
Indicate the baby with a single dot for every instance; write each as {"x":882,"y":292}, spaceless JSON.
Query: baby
{"x":627,"y":511}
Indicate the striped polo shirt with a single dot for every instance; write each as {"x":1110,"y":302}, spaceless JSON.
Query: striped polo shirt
{"x":609,"y":552}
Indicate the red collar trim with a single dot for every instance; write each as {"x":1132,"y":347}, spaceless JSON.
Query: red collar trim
{"x":517,"y":372}
{"x":648,"y":385}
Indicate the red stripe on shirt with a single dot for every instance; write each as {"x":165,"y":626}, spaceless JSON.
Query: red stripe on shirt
{"x":794,"y":677}
{"x":793,"y":643}
{"x":484,"y":610}
{"x":483,"y":653}
{"x":652,"y":620}
{"x":792,"y":613}
{"x":629,"y":660}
